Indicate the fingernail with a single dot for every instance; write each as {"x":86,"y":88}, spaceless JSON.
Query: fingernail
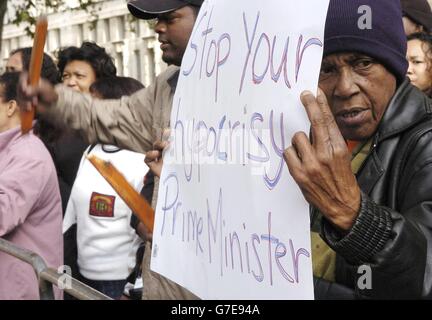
{"x":306,"y":93}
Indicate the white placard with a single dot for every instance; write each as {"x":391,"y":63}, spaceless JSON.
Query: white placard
{"x":231,"y":223}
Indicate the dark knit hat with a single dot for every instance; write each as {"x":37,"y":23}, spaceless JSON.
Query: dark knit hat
{"x":385,"y":41}
{"x":418,"y":11}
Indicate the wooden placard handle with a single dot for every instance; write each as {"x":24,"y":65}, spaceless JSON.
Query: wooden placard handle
{"x":130,"y":196}
{"x":35,"y":68}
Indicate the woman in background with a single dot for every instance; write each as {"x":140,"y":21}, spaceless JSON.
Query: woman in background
{"x":48,"y":132}
{"x":419,"y":56}
{"x":79,"y":67}
{"x":30,"y":206}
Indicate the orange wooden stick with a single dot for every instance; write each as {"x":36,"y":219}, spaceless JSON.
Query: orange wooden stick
{"x":35,"y":68}
{"x":133,"y":199}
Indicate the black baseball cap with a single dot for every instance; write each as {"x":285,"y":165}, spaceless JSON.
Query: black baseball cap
{"x":149,"y":9}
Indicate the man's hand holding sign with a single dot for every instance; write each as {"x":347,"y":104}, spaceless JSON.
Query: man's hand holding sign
{"x":322,"y":169}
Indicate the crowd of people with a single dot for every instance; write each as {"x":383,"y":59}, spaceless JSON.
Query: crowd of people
{"x":365,"y":170}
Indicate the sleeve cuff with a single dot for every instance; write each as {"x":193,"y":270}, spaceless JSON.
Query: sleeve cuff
{"x":52,"y":110}
{"x":371,"y":230}
{"x":59,"y":88}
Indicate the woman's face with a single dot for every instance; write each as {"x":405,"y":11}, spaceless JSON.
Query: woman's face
{"x":419,"y":70}
{"x":78,"y":75}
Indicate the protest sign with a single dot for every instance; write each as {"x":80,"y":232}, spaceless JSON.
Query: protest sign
{"x":231,"y":223}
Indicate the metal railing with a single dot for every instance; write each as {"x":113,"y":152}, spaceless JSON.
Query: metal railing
{"x":48,"y":276}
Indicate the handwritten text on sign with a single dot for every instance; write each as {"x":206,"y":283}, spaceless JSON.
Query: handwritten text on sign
{"x":230,"y":220}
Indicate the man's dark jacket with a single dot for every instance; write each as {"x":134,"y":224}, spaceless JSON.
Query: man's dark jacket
{"x":393,"y":232}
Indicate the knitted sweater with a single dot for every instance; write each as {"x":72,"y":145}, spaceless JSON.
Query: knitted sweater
{"x":106,"y":242}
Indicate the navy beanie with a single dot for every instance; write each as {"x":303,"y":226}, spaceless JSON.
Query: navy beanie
{"x":385,"y":41}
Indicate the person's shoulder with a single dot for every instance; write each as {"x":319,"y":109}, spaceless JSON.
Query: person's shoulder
{"x":160,"y":83}
{"x":32,"y":148}
{"x":417,"y":143}
{"x":422,"y":134}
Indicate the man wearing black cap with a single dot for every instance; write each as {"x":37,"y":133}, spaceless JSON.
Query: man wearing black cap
{"x":417,"y":16}
{"x":136,"y":122}
{"x":175,"y":18}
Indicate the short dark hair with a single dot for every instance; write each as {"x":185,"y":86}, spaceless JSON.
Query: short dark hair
{"x":49,"y":69}
{"x":115,"y":88}
{"x":101,"y":62}
{"x":9,"y":82}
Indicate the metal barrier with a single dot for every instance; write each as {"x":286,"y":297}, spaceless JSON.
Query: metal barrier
{"x":49,"y":276}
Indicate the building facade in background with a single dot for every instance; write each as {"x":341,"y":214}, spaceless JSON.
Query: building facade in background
{"x":131,"y":42}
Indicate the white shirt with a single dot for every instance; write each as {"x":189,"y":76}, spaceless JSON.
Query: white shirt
{"x":106,"y":242}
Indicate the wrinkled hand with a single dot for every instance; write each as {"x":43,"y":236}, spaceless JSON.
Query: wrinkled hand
{"x":154,"y":158}
{"x":322,"y":169}
{"x":42,"y":96}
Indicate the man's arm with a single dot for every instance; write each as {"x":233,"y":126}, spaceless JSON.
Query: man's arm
{"x":395,"y":244}
{"x":126,"y":122}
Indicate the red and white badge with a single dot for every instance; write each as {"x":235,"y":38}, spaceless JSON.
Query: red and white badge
{"x":102,"y":205}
